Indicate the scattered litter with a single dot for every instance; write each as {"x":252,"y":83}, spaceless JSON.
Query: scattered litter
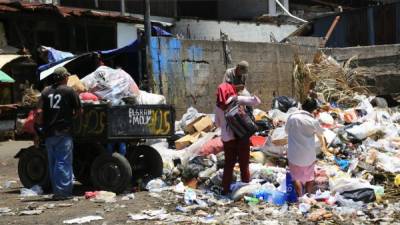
{"x":128,"y":197}
{"x":155,"y":185}
{"x":154,"y":195}
{"x":208,"y":220}
{"x":34,"y":191}
{"x":64,"y":205}
{"x":190,"y":196}
{"x":159,"y":214}
{"x":103,"y":196}
{"x":30,"y":212}
{"x":81,"y":220}
{"x":9,"y":183}
{"x":5,"y":210}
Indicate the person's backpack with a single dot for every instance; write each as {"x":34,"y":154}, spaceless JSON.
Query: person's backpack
{"x":240,"y":120}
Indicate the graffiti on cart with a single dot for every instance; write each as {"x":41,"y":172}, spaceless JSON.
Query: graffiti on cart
{"x":155,"y":119}
{"x":159,"y":123}
{"x":90,"y":122}
{"x":139,"y":116}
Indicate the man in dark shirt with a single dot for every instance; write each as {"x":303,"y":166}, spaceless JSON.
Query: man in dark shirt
{"x":57,"y":107}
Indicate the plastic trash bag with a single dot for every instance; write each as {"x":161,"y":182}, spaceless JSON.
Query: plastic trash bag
{"x":365,"y":105}
{"x":146,"y":98}
{"x":364,"y":130}
{"x":273,"y":150}
{"x":388,"y":163}
{"x":365,"y":194}
{"x":155,"y":185}
{"x":342,"y":184}
{"x":246,"y":189}
{"x":104,"y":196}
{"x":34,"y":191}
{"x":379,"y":102}
{"x":279,"y":136}
{"x":111,"y":84}
{"x":342,"y":163}
{"x":284,"y":103}
{"x":326,"y":120}
{"x":81,"y":220}
{"x":277,"y":115}
{"x":190,"y":115}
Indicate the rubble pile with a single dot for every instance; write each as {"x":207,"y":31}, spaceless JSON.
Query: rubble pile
{"x":355,"y":173}
{"x":356,"y":178}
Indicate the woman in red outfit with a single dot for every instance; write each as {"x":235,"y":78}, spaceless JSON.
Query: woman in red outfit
{"x":236,"y":150}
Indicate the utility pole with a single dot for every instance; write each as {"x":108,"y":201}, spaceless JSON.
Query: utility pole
{"x":123,"y":7}
{"x":147,"y":30}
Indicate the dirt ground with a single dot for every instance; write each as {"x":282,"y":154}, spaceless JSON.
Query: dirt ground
{"x":113,"y":213}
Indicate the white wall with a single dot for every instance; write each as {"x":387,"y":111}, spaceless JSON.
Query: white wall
{"x":126,"y":34}
{"x":242,"y":31}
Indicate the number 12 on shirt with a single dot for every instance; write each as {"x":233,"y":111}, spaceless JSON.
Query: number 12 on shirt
{"x":54,"y":101}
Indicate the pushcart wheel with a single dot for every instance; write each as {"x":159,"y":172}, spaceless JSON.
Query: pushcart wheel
{"x":146,"y":163}
{"x":111,"y":172}
{"x":33,"y":168}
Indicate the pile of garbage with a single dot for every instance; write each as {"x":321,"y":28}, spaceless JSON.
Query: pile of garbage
{"x":357,"y":174}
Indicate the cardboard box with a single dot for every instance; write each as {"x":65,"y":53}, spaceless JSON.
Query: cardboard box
{"x":185,"y":141}
{"x":201,"y":124}
{"x":204,"y":124}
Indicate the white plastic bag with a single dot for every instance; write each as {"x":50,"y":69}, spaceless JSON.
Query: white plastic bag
{"x":111,"y":84}
{"x":273,"y":150}
{"x":365,"y":105}
{"x":279,"y":136}
{"x":388,"y":163}
{"x":343,"y":184}
{"x":364,"y":130}
{"x":276,"y":114}
{"x":146,"y":98}
{"x":190,"y":115}
{"x":104,"y":196}
{"x":155,"y":185}
{"x":326,"y":119}
{"x":81,"y":220}
{"x":34,"y":191}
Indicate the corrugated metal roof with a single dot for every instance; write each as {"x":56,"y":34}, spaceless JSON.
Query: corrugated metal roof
{"x":20,"y":6}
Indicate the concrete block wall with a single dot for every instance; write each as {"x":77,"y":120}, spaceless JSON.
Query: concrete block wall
{"x":363,"y":52}
{"x":190,"y":71}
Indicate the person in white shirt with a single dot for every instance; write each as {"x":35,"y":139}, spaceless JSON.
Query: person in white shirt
{"x":301,"y":128}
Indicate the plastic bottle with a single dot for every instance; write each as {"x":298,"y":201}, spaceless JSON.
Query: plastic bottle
{"x":291,"y":195}
{"x":263,"y":195}
{"x":251,"y":200}
{"x":278,"y":198}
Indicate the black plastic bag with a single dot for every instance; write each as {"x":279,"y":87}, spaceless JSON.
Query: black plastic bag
{"x":284,"y":103}
{"x":365,"y":194}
